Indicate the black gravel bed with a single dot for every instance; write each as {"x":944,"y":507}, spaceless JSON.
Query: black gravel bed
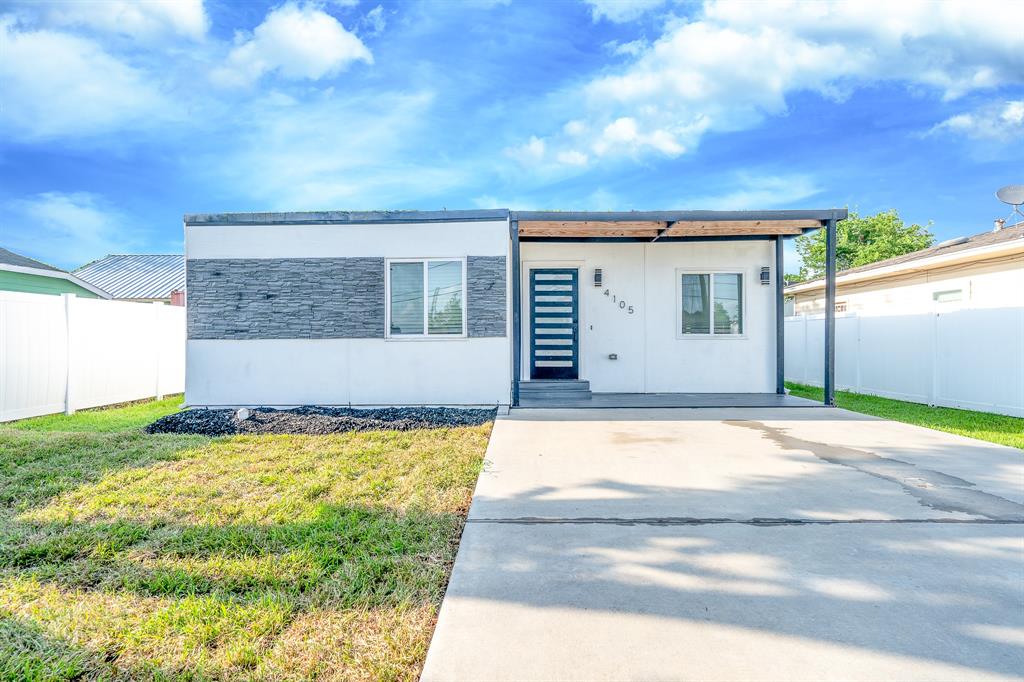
{"x":317,"y":420}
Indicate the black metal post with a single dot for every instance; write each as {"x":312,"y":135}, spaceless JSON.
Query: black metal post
{"x":780,"y":321}
{"x":517,"y":334}
{"x":830,"y":313}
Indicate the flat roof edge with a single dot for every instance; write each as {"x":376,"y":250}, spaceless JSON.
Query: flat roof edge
{"x":577,"y":216}
{"x":341,"y":217}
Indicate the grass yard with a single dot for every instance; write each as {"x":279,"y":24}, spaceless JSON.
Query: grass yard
{"x":995,"y":428}
{"x":125,"y":555}
{"x":132,"y":415}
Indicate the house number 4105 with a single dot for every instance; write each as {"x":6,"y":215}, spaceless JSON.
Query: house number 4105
{"x":618,"y":301}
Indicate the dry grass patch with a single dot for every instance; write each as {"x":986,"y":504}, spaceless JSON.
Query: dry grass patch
{"x":125,"y":555}
{"x":359,"y":644}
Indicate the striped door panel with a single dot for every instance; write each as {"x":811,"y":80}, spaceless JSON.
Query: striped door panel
{"x":554,"y":323}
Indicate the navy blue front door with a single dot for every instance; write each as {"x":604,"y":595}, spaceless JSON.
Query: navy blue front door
{"x":554,"y":323}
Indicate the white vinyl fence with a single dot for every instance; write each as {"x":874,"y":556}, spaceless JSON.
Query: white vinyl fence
{"x":971,"y":359}
{"x":64,"y":353}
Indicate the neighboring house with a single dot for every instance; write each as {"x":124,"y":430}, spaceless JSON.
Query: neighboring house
{"x":982,"y":271}
{"x":139,"y":277}
{"x":471,"y":307}
{"x":20,"y":273}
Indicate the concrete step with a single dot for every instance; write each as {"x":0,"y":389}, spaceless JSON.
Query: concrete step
{"x":554,"y":390}
{"x":554,"y":385}
{"x":555,"y":399}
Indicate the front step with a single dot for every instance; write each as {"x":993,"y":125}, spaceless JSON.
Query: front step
{"x":554,"y":385}
{"x":555,"y":389}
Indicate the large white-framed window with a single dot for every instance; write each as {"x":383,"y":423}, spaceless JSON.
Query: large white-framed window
{"x":426,"y":298}
{"x":710,"y":304}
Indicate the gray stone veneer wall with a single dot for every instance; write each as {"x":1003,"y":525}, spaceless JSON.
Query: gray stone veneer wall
{"x":485,"y":296}
{"x":318,"y":298}
{"x":285,"y":298}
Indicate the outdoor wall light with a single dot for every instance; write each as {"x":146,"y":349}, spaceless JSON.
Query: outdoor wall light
{"x":766,"y":277}
{"x":598,"y":277}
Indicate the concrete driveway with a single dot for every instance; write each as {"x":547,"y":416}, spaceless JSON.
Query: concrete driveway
{"x":772,"y":544}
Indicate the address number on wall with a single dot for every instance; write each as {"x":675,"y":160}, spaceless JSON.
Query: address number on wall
{"x":621,"y":303}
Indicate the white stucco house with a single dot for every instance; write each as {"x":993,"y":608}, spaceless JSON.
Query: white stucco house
{"x":984,"y":270}
{"x":487,"y":307}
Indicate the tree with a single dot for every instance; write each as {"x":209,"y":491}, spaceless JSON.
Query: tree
{"x":860,"y":241}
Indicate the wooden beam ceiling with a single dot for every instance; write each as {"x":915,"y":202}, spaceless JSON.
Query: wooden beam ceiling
{"x":656,"y":228}
{"x":719,"y":228}
{"x":590,"y":228}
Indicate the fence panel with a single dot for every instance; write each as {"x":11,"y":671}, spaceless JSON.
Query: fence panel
{"x":980,"y":360}
{"x":973,"y":359}
{"x":62,"y":353}
{"x":33,"y":355}
{"x":896,"y":356}
{"x":848,"y":368}
{"x":172,"y":336}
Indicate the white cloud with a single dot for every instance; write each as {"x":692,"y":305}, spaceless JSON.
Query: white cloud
{"x":530,"y":152}
{"x":620,"y":11}
{"x":623,"y":134}
{"x":67,"y":229}
{"x":735,"y":63}
{"x":57,"y":84}
{"x":575,"y":128}
{"x":955,"y":46}
{"x":297,"y":42}
{"x":571,"y":157}
{"x":375,"y":21}
{"x":146,"y":20}
{"x":1002,"y":121}
{"x":634,"y":48}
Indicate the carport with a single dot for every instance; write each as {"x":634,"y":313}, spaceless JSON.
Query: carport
{"x":550,"y":288}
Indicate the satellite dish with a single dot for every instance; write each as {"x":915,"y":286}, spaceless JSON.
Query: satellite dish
{"x":1012,"y":195}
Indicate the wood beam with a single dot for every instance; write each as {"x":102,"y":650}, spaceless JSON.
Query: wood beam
{"x":656,"y":228}
{"x":587,"y":233}
{"x":738,"y":227}
{"x":590,"y":228}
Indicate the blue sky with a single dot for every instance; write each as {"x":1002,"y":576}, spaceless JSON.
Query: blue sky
{"x":116,"y":118}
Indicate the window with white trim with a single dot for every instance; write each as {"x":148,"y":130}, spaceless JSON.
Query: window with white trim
{"x":710,"y":303}
{"x":948,"y":296}
{"x":426,"y":297}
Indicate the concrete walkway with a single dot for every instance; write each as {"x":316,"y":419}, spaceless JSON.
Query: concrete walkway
{"x":736,"y":544}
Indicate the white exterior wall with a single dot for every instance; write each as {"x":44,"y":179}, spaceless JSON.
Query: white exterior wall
{"x":986,"y":284}
{"x":652,"y":358}
{"x":463,"y":371}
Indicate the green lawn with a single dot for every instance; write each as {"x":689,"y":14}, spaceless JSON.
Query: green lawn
{"x":127,"y":555}
{"x":995,"y":428}
{"x":116,"y":418}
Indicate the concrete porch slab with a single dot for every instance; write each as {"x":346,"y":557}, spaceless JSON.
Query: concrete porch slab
{"x":666,"y":400}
